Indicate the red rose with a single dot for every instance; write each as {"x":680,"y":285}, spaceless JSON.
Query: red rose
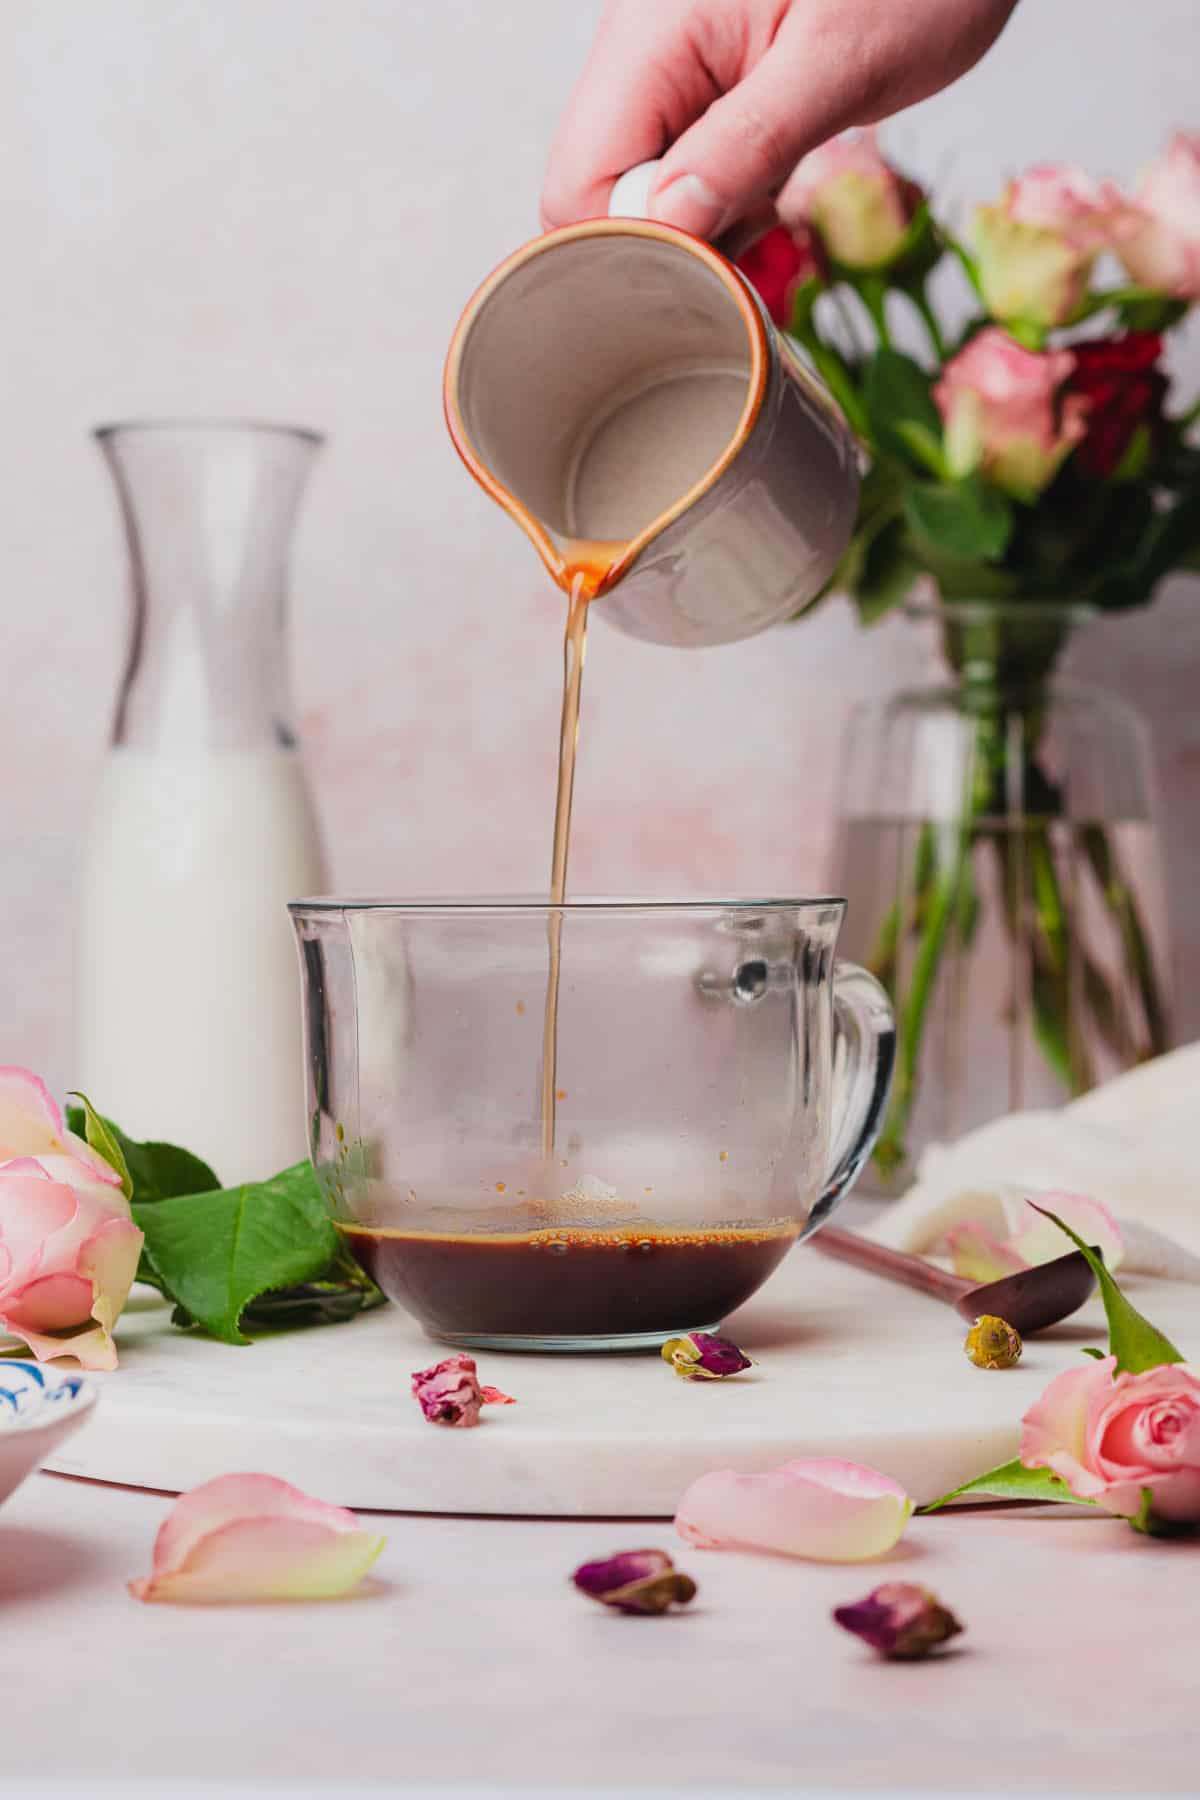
{"x":777,"y":264}
{"x":1122,"y":388}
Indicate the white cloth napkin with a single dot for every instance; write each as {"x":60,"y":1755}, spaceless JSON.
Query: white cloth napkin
{"x":1133,"y":1144}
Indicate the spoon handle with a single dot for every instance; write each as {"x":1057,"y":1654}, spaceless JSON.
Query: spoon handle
{"x":893,"y":1265}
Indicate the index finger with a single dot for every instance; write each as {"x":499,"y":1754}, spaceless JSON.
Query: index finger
{"x":629,"y":104}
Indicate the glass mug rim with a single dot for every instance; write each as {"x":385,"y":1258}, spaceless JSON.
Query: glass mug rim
{"x":518,"y":905}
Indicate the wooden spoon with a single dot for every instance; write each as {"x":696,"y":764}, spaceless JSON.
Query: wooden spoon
{"x":1029,"y":1301}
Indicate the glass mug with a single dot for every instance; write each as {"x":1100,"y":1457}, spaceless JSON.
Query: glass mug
{"x":718,"y":1082}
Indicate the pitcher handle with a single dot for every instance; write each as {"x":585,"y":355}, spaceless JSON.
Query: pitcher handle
{"x":864,"y":1051}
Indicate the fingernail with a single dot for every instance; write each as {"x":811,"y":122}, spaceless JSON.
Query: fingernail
{"x":690,"y":203}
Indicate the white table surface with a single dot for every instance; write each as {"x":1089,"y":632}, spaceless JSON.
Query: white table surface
{"x":845,"y":1368}
{"x":471,"y":1665}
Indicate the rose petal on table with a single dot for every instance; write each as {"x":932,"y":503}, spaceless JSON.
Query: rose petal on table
{"x":494,"y":1396}
{"x":253,"y":1537}
{"x":817,"y":1507}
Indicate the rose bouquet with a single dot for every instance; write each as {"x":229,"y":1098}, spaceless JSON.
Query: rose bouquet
{"x":1025,"y":470}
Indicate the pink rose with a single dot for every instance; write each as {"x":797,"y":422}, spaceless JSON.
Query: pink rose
{"x":68,"y":1246}
{"x":1157,"y":235}
{"x":861,"y":206}
{"x":779,"y":263}
{"x":1004,"y":412}
{"x":1037,"y":245}
{"x":1112,"y":1436}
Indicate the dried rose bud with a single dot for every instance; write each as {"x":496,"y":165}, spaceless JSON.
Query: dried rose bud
{"x":636,"y":1581}
{"x":496,"y":1396}
{"x":992,"y":1343}
{"x":698,"y":1356}
{"x":900,"y":1620}
{"x":449,"y":1393}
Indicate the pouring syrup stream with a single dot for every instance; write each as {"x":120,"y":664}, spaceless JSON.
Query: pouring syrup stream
{"x":586,"y":564}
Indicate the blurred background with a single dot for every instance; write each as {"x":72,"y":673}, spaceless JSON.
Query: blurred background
{"x":277,"y":208}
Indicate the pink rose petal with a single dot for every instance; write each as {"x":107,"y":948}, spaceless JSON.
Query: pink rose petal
{"x":1036,"y":1239}
{"x":493,"y":1396}
{"x":1054,"y":1430}
{"x":31,"y":1124}
{"x":30,"y":1119}
{"x":816,"y":1507}
{"x":68,"y":1257}
{"x":1020,"y":1237}
{"x":979,"y":1256}
{"x":252,"y":1537}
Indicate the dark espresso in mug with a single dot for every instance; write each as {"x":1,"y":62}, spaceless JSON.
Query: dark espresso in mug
{"x":574,"y":1283}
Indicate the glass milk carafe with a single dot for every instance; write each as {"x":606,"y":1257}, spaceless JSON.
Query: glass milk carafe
{"x":202,"y":829}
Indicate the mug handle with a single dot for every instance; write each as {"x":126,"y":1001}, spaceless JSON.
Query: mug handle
{"x":864,"y":1052}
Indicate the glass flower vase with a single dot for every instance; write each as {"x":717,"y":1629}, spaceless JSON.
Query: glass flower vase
{"x":998,"y":845}
{"x":188,"y":1006}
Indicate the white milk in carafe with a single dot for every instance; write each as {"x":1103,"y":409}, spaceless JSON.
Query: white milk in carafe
{"x":188,"y":994}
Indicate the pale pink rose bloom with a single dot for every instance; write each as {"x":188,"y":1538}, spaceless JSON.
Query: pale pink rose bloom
{"x":816,"y":1507}
{"x":1111,"y":1436}
{"x":1064,"y":198}
{"x":1026,"y":1238}
{"x":68,"y":1246}
{"x":861,"y":206}
{"x":1157,"y":234}
{"x":1003,"y":413}
{"x":252,"y":1537}
{"x":1037,"y":246}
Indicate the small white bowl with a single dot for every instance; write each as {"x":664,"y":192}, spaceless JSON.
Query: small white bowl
{"x":39,"y":1407}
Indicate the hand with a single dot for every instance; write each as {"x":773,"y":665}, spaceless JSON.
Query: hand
{"x":735,"y":92}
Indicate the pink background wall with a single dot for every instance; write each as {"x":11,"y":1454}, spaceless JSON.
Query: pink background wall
{"x":277,"y":208}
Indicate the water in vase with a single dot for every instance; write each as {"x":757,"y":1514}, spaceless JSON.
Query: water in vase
{"x":1026,"y":959}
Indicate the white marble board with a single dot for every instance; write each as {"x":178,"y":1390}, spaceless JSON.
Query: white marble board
{"x":845,"y":1366}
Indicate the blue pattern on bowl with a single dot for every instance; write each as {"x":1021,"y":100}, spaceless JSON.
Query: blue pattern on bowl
{"x":31,"y":1395}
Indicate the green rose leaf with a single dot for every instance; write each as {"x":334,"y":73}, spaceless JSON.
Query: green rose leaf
{"x":1132,"y":1339}
{"x":155,"y":1170}
{"x":897,"y":393}
{"x":86,"y":1123}
{"x":885,"y":574}
{"x":1146,"y":1521}
{"x":966,"y":519}
{"x":217,"y":1251}
{"x":1012,"y":1481}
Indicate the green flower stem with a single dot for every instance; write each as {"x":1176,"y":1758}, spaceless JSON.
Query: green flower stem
{"x":901,"y":919}
{"x":946,"y":902}
{"x":836,"y":373}
{"x":873,"y":289}
{"x":1123,"y":906}
{"x":920,"y":300}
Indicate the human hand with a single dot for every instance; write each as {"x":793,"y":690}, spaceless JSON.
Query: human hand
{"x":732,"y":93}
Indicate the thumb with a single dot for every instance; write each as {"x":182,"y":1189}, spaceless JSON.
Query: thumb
{"x":741,"y":151}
